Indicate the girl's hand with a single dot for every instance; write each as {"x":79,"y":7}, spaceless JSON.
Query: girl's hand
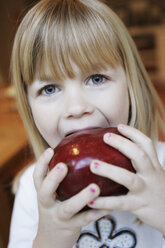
{"x":146,"y":196}
{"x":60,"y":223}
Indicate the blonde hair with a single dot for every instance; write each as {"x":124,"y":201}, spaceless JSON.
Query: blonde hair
{"x":56,"y":33}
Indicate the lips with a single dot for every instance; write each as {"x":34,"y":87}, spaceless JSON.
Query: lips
{"x":78,"y":130}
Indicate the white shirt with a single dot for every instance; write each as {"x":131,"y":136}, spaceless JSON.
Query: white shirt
{"x":118,"y":230}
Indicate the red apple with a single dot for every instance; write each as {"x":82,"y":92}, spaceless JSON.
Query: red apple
{"x":77,"y":151}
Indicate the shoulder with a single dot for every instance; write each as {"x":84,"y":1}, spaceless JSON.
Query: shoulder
{"x":160,"y":147}
{"x":24,"y":176}
{"x":24,"y":184}
{"x":26,"y":179}
{"x":27,"y":174}
{"x":25,"y":203}
{"x":24,"y":219}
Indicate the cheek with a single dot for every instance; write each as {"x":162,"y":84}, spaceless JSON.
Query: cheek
{"x":123,"y":109}
{"x":42,"y":123}
{"x":117,"y":107}
{"x":46,"y":122}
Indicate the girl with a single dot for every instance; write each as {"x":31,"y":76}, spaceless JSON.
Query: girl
{"x":75,"y":66}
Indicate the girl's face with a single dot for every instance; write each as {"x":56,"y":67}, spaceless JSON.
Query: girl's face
{"x":97,"y":100}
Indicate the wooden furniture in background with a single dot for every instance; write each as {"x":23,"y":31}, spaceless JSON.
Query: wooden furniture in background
{"x":150,"y":41}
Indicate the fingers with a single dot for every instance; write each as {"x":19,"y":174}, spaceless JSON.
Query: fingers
{"x":124,"y":203}
{"x":50,"y":184}
{"x":86,"y":217}
{"x":47,"y":183}
{"x":140,"y":139}
{"x":41,"y":167}
{"x":140,"y":159}
{"x":122,"y":176}
{"x":76,"y":203}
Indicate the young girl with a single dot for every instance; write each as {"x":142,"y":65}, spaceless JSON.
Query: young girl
{"x":75,"y":66}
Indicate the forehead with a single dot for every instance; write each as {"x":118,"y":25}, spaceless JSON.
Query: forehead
{"x":59,"y":62}
{"x":59,"y":42}
{"x":49,"y":73}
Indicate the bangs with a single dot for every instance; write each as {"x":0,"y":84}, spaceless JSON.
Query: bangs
{"x":71,"y":34}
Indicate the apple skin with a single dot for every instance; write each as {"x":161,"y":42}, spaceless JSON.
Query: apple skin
{"x":77,"y":151}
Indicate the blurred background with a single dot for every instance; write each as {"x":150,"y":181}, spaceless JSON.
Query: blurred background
{"x":145,"y":20}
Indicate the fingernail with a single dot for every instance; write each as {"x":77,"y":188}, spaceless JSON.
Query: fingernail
{"x":60,"y":167}
{"x":96,"y":165}
{"x":108,"y":136}
{"x":49,"y":151}
{"x":121,"y":126}
{"x":91,"y":203}
{"x":92,"y":189}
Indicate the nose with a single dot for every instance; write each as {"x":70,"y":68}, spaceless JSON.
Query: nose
{"x":77,"y":105}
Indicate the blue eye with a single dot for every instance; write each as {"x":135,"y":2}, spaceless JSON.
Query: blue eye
{"x":96,"y":79}
{"x":49,"y":90}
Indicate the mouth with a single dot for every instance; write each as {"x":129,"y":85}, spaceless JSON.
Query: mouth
{"x":79,"y":130}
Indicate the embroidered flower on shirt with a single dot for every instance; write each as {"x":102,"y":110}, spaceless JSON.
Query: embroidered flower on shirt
{"x":106,"y":236}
